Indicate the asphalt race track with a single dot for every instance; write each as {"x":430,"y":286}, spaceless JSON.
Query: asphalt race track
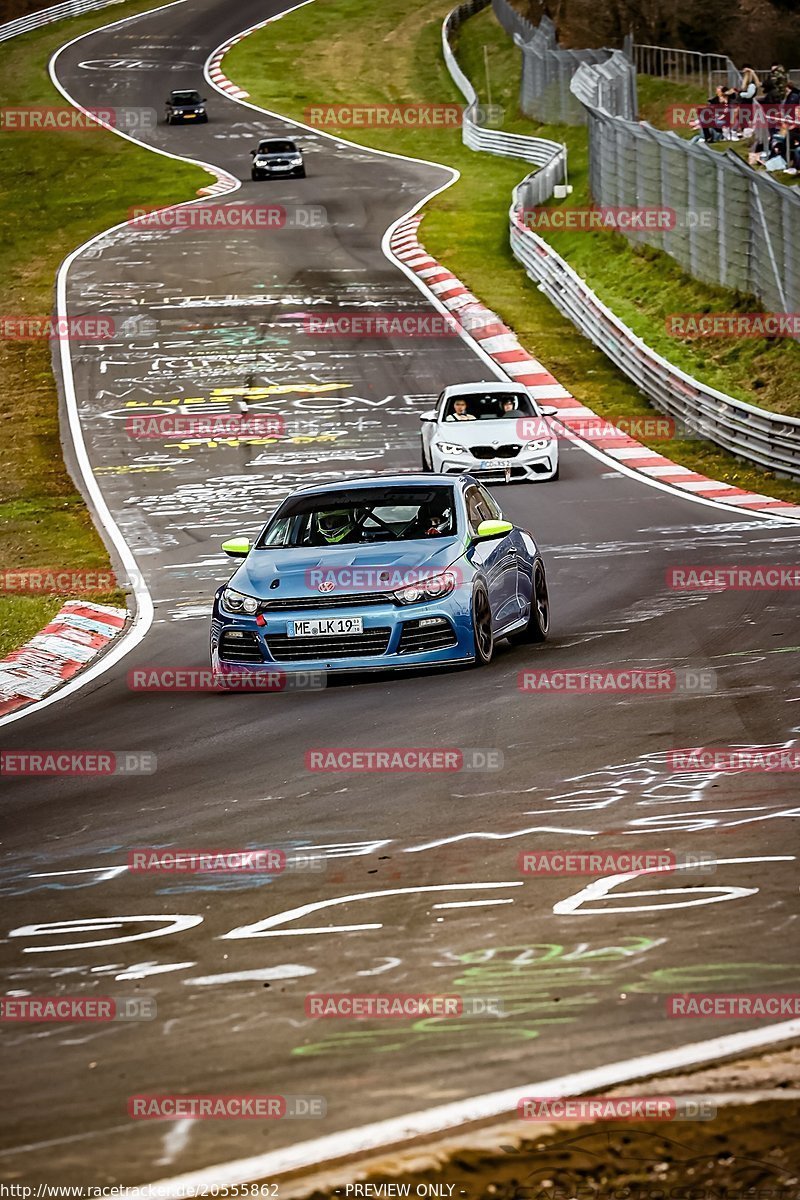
{"x":218,"y":319}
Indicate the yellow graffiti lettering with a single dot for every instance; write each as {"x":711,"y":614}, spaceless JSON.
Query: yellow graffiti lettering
{"x":278,"y":389}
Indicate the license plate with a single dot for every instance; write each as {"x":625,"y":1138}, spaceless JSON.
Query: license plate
{"x":326,"y":627}
{"x":495,"y":464}
{"x":189,"y":116}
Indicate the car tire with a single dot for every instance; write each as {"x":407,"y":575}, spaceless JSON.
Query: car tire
{"x":553,"y":478}
{"x":301,"y":174}
{"x":482,"y":626}
{"x":426,"y":470}
{"x":253,"y":176}
{"x":538,"y":625}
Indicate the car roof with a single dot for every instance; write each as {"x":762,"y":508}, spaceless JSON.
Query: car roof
{"x":266,"y":141}
{"x":411,"y":479}
{"x":487,"y":385}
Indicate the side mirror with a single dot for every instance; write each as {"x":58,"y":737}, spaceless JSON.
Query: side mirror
{"x":238,"y":547}
{"x":548,"y":410}
{"x":204,"y":100}
{"x":428,"y":416}
{"x":488,"y":530}
{"x":253,"y":153}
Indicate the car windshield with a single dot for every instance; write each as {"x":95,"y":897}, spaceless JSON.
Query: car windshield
{"x":489,"y":406}
{"x":185,"y":98}
{"x":363,"y":516}
{"x":277,"y":148}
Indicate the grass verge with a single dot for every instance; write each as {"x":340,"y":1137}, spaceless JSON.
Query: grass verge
{"x":60,"y":188}
{"x":396,"y":57}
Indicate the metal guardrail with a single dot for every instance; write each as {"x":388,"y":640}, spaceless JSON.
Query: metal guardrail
{"x":684,"y":66}
{"x":551,"y":157}
{"x":610,"y":86}
{"x":733,"y":226}
{"x":768,"y":439}
{"x":755,"y":434}
{"x":45,"y":16}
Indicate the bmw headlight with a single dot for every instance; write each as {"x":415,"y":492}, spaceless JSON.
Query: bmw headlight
{"x":539,"y":444}
{"x":451,"y":448}
{"x":200,"y":112}
{"x":434,"y":588}
{"x":297,"y":161}
{"x":237,"y":602}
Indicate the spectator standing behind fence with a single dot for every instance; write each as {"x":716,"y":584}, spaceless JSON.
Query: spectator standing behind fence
{"x":776,"y":84}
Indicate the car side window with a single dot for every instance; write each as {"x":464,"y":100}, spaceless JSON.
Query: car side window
{"x":494,"y":508}
{"x":439,"y":406}
{"x":477,"y":508}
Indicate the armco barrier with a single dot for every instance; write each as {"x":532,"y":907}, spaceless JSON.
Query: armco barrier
{"x":742,"y":229}
{"x":768,"y":439}
{"x":550,"y":157}
{"x":762,"y":437}
{"x":45,"y":16}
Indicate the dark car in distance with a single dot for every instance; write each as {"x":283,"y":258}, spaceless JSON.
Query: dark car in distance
{"x":187,"y":105}
{"x":277,"y":157}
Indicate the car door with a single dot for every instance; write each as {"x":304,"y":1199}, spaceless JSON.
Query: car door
{"x":497,"y":559}
{"x":522,"y":589}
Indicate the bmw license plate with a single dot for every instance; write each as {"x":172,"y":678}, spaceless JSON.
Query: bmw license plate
{"x":326,"y":627}
{"x":495,"y":464}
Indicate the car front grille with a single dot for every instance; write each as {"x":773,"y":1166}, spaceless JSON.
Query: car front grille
{"x":509,"y":451}
{"x":368,"y":644}
{"x":236,"y":645}
{"x":327,"y":601}
{"x":415,"y":639}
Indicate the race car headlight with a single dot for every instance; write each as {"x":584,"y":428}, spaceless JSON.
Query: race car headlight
{"x":238,"y":602}
{"x":434,"y":588}
{"x":538,"y":444}
{"x":200,"y":111}
{"x":451,"y":448}
{"x":296,"y":161}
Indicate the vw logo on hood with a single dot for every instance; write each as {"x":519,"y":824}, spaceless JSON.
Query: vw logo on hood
{"x":327,"y":585}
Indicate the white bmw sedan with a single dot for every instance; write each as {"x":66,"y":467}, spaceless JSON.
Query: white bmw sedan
{"x":492,"y":430}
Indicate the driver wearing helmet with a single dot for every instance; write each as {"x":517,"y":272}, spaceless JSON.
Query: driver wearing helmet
{"x":510,"y":407}
{"x":335,"y":526}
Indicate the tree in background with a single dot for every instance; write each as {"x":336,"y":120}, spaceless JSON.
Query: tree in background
{"x":764,"y":30}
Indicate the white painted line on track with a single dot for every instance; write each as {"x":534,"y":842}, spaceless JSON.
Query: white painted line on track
{"x":404,"y":1132}
{"x":143,"y":615}
{"x":408,"y":1129}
